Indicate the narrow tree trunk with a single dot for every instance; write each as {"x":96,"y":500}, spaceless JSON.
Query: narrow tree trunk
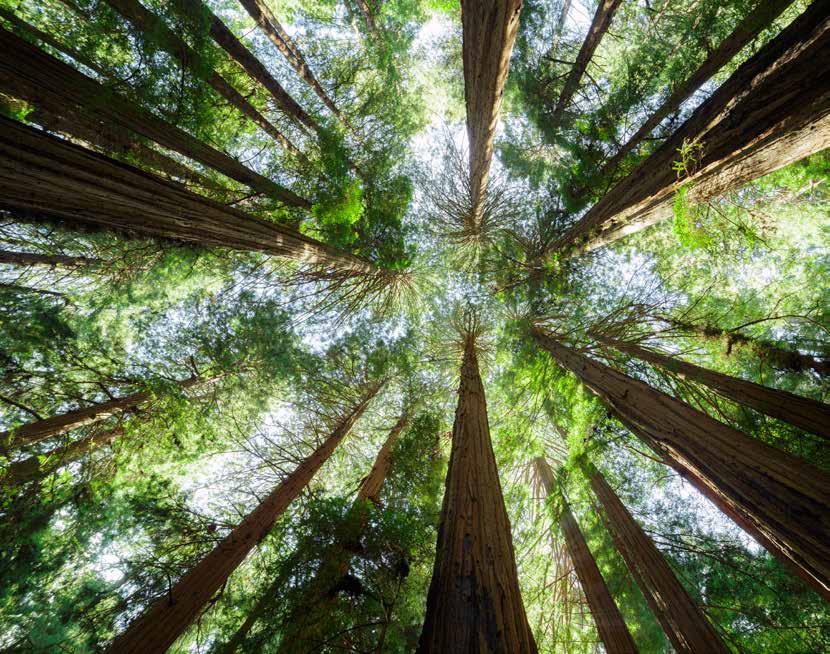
{"x":774,"y":110}
{"x":611,"y":626}
{"x":749,"y":28}
{"x":34,"y":432}
{"x":474,"y":603}
{"x":150,"y":24}
{"x":599,"y":26}
{"x":560,"y":24}
{"x":489,"y":31}
{"x":784,"y":499}
{"x":45,"y":260}
{"x":802,"y":412}
{"x":275,"y":32}
{"x":29,"y":73}
{"x":82,"y":187}
{"x":684,"y":623}
{"x":168,"y":618}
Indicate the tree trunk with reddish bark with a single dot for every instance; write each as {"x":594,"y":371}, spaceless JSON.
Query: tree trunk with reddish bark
{"x":780,"y":497}
{"x":802,"y":412}
{"x":685,"y":624}
{"x":474,"y":603}
{"x":610,"y":624}
{"x":28,"y":73}
{"x":45,"y":260}
{"x":774,"y":110}
{"x":170,"y":616}
{"x":489,"y":31}
{"x":82,"y":187}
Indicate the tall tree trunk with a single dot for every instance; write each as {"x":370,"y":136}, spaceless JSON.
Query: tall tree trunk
{"x":560,"y":24}
{"x":684,"y":623}
{"x":774,"y":110}
{"x":802,"y":412}
{"x":83,"y":187}
{"x":611,"y":626}
{"x":474,"y":603}
{"x":489,"y":31}
{"x":168,"y":618}
{"x":781,"y":497}
{"x":29,"y":73}
{"x":45,"y":260}
{"x":599,"y":26}
{"x":150,"y":24}
{"x":368,"y":16}
{"x":248,"y":61}
{"x":747,"y":30}
{"x":276,"y":33}
{"x":34,"y":432}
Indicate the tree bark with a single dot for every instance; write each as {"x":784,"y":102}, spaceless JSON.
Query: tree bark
{"x":684,"y":623}
{"x":802,"y":412}
{"x":749,"y":28}
{"x":168,"y":618}
{"x":271,"y":27}
{"x":31,"y":74}
{"x":599,"y":26}
{"x":780,"y":497}
{"x":474,"y":603}
{"x":150,"y":24}
{"x":489,"y":31}
{"x":45,"y":260}
{"x":611,"y":626}
{"x":774,"y":110}
{"x":82,"y":187}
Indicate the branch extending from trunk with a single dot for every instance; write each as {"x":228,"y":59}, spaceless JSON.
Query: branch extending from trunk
{"x":29,"y":73}
{"x":802,"y":412}
{"x":783,"y":501}
{"x":774,"y":110}
{"x":45,"y":260}
{"x":83,"y":187}
{"x":168,"y":618}
{"x":489,"y":31}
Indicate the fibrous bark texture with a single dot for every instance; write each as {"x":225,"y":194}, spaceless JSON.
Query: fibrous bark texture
{"x":611,"y":627}
{"x":781,"y":498}
{"x":684,"y":623}
{"x":489,"y":30}
{"x":474,"y":604}
{"x":774,"y":110}
{"x":44,"y":260}
{"x":42,"y":176}
{"x":167,"y":619}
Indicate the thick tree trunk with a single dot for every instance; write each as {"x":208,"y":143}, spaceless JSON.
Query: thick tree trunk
{"x":611,"y":626}
{"x":802,"y":412}
{"x":774,"y":110}
{"x":34,"y":432}
{"x":275,"y":32}
{"x":30,"y":74}
{"x":150,"y":24}
{"x":489,"y":31}
{"x":782,"y":498}
{"x":474,"y":603}
{"x":684,"y":623}
{"x":168,"y":618}
{"x":45,"y":260}
{"x":83,"y":187}
{"x":599,"y":26}
{"x":749,"y":28}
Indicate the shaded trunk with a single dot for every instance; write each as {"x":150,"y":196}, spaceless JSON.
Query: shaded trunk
{"x":45,"y":260}
{"x":168,"y":618}
{"x":611,"y":626}
{"x":34,"y":432}
{"x":271,"y":27}
{"x":802,"y":412}
{"x":147,"y":22}
{"x":750,"y":27}
{"x":780,"y":497}
{"x":83,"y":187}
{"x":684,"y":623}
{"x":474,"y":603}
{"x":368,"y":16}
{"x":599,"y":26}
{"x":774,"y":110}
{"x":489,"y":30}
{"x":29,"y":73}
